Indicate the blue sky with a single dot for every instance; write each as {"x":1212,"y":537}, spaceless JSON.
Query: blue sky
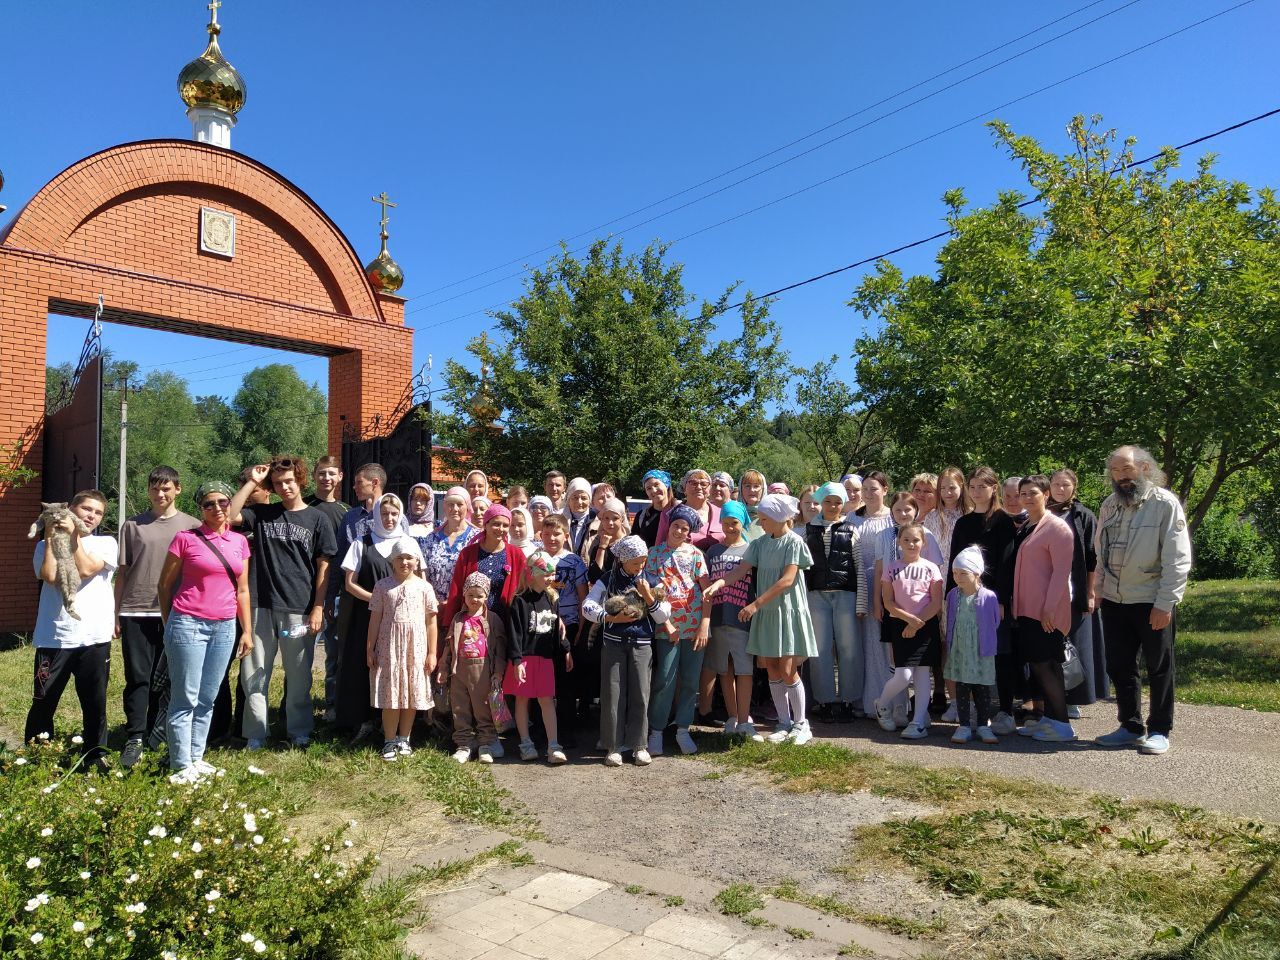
{"x":503,"y":128}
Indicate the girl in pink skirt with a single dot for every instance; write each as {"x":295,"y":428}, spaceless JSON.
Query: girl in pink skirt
{"x":534,"y":632}
{"x":400,"y":649}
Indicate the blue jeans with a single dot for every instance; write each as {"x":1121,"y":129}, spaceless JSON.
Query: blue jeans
{"x":674,"y":664}
{"x":839,"y":664}
{"x":198,"y":652}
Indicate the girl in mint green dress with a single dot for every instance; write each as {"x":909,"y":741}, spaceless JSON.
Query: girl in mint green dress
{"x":781,"y":628}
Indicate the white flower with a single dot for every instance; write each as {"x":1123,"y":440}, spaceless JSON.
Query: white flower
{"x":168,"y":955}
{"x":85,"y":874}
{"x":157,"y":831}
{"x":326,"y":848}
{"x":175,"y":855}
{"x":256,"y":771}
{"x":351,"y":823}
{"x":138,"y":907}
{"x":146,"y":843}
{"x":247,"y":938}
{"x":198,"y":874}
{"x":195,"y":822}
{"x":131,"y":878}
{"x":196,"y":847}
{"x":257,"y":839}
{"x":346,"y":843}
{"x":33,"y":862}
{"x":119,"y":774}
{"x":78,"y":926}
{"x":47,"y":832}
{"x":77,"y":740}
{"x":212,"y":895}
{"x":37,"y":937}
{"x":88,"y":941}
{"x":250,"y":823}
{"x":32,"y":904}
{"x":20,"y":762}
{"x":44,"y":735}
{"x":259,"y":947}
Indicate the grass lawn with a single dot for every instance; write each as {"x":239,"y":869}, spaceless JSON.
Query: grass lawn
{"x":1037,"y":871}
{"x":1228,"y":647}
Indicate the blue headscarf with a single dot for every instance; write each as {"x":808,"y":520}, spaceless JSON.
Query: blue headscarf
{"x":682,"y":511}
{"x":660,"y":475}
{"x":733,"y":510}
{"x":831,"y":489}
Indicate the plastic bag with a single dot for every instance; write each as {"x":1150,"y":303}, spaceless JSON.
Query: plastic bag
{"x":498,"y":708}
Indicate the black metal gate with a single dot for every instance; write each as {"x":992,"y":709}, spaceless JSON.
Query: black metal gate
{"x":401,"y":442}
{"x":73,"y":426}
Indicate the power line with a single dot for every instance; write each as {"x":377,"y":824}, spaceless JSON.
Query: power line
{"x":884,"y":156}
{"x":810,"y":135}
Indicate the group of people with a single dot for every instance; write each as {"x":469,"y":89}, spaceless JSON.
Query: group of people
{"x":838,"y":603}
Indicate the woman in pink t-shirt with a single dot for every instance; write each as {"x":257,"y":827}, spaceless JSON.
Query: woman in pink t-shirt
{"x":211,"y":565}
{"x":911,"y":595}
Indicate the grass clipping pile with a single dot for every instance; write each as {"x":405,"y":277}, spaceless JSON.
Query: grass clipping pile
{"x":1036,"y":871}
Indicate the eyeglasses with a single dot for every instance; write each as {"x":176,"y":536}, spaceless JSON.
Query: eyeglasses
{"x":215,"y":505}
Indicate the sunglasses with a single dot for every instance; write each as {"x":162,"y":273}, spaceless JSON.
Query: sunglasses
{"x":215,"y":505}
{"x":284,"y":463}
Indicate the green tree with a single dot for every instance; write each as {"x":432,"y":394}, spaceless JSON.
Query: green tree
{"x":278,"y":413}
{"x":843,"y":432}
{"x":1132,"y":307}
{"x":605,"y":368}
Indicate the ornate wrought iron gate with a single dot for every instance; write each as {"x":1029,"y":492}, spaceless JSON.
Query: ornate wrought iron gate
{"x":401,"y":442}
{"x":73,"y":425}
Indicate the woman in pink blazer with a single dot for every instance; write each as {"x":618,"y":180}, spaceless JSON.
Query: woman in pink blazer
{"x":1042,"y":604}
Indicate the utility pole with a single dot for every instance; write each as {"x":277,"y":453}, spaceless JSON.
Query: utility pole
{"x":124,"y":435}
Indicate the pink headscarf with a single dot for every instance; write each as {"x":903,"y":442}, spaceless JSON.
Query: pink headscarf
{"x":495,"y":511}
{"x":459,"y":492}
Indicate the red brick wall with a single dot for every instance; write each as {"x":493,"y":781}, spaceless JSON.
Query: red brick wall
{"x":124,"y":224}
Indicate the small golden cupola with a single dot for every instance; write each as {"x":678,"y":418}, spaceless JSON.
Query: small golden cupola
{"x":383,"y":272}
{"x":212,"y":89}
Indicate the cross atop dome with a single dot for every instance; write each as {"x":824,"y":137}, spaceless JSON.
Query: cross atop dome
{"x":212,"y":89}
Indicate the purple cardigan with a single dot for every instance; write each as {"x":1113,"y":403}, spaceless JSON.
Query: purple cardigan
{"x":988,"y":611}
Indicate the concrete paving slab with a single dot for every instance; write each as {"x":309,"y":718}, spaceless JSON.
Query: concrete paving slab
{"x":499,"y":919}
{"x":566,"y":937}
{"x":631,"y":912}
{"x":700,"y":934}
{"x":559,"y":890}
{"x":647,"y":948}
{"x":445,"y":943}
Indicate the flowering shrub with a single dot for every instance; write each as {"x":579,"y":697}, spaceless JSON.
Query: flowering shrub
{"x":109,"y":866}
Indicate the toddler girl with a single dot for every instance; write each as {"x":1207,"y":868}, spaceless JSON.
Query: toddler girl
{"x":535,"y":634}
{"x":911,"y":597}
{"x":400,"y":649}
{"x":973,"y":616}
{"x":472,"y":661}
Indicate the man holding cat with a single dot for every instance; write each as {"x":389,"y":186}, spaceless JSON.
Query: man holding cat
{"x":69,"y":649}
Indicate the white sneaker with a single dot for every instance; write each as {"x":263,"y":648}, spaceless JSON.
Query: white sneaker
{"x":655,"y":743}
{"x":884,"y":716}
{"x":389,"y":751}
{"x":613,"y":760}
{"x":780,"y":734}
{"x":987,"y":735}
{"x":462,"y":754}
{"x":641,"y":757}
{"x":486,"y":753}
{"x":801,"y":734}
{"x":1031,"y":729}
{"x":496,"y":751}
{"x":255,"y":743}
{"x":749,"y":731}
{"x":404,"y":747}
{"x":185,"y":777}
{"x":950,"y":715}
{"x":555,"y":753}
{"x":1154,"y":744}
{"x":913,"y":731}
{"x":684,"y":741}
{"x":204,"y":767}
{"x":731,"y":726}
{"x":1054,"y":731}
{"x":528,"y":751}
{"x":962,"y":735}
{"x":1002,"y":723}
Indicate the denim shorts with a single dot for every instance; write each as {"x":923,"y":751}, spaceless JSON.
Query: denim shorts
{"x":729,"y":642}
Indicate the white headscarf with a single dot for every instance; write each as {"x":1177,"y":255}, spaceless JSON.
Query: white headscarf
{"x":970,"y":559}
{"x":528,"y":529}
{"x":778,"y":506}
{"x":384,"y":537}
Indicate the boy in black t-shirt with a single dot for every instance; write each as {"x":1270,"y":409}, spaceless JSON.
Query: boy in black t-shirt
{"x":293,"y":545}
{"x":328,"y":480}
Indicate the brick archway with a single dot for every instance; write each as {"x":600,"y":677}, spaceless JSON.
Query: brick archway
{"x":125,"y":224}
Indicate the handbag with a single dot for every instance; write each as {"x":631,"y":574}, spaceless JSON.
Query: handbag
{"x":1072,"y":668}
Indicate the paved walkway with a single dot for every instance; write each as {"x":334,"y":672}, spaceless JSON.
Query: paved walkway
{"x":545,"y":912}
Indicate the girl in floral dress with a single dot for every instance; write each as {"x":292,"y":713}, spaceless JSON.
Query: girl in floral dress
{"x":400,"y":650}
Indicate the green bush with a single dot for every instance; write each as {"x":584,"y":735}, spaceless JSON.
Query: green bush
{"x":1227,"y":546}
{"x":114,"y":866}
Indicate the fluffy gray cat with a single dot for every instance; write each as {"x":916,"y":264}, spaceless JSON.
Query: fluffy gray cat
{"x":59,"y":541}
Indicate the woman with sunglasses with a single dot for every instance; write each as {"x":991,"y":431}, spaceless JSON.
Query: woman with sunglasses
{"x":210,"y":567}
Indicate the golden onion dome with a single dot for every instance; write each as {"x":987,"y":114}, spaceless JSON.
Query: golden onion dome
{"x":384,"y":273}
{"x":209,"y":81}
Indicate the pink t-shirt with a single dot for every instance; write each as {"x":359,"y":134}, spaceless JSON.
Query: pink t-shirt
{"x":475,"y":643}
{"x":911,"y":583}
{"x":206,"y":591}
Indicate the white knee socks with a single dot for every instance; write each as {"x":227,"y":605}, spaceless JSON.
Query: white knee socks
{"x":781,"y":702}
{"x":795,"y":699}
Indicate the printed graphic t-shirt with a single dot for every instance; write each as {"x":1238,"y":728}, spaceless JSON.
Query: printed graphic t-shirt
{"x":287,"y":545}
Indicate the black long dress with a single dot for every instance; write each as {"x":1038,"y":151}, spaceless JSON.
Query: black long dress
{"x":352,"y":703}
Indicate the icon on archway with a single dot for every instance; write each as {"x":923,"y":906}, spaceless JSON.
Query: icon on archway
{"x":217,"y":232}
